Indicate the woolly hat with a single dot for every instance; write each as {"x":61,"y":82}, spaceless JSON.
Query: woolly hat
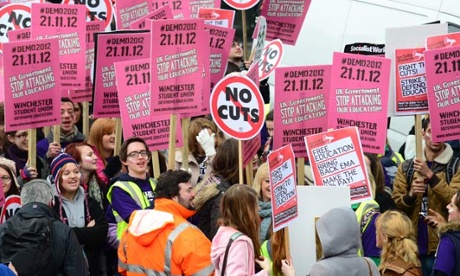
{"x":11,"y":167}
{"x":57,"y":164}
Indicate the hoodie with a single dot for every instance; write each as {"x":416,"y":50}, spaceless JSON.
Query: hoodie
{"x":241,"y":258}
{"x":340,"y":239}
{"x":448,"y":249}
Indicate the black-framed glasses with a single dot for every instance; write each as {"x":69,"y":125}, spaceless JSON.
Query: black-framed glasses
{"x":6,"y":179}
{"x":142,"y":153}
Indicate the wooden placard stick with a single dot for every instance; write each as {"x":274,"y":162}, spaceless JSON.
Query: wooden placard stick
{"x":156,"y":164}
{"x":85,"y":118}
{"x":32,"y":144}
{"x":118,"y":132}
{"x":300,"y":171}
{"x":185,"y":151}
{"x":172,"y":141}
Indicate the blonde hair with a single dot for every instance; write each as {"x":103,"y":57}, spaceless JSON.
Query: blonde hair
{"x":261,"y":174}
{"x":400,"y":243}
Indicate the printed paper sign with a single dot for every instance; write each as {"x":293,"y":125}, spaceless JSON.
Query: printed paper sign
{"x":180,"y":8}
{"x":195,"y":6}
{"x":241,"y":4}
{"x":67,"y":23}
{"x":177,"y":65}
{"x":217,"y":17}
{"x":442,"y":41}
{"x":285,"y":19}
{"x":411,"y":95}
{"x":360,"y":97}
{"x":19,"y":34}
{"x":14,"y":17}
{"x":114,"y":47}
{"x":271,"y":57}
{"x":443,"y":82}
{"x":163,"y":12}
{"x":97,"y":10}
{"x":133,"y":81}
{"x":261,"y":29}
{"x":301,"y":104}
{"x":128,"y":11}
{"x":237,"y":107}
{"x":282,"y":168}
{"x":31,"y":84}
{"x":336,"y":159}
{"x":11,"y":207}
{"x":250,"y":148}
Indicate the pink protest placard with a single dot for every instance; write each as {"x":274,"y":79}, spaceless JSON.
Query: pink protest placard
{"x":220,"y":43}
{"x":359,"y":97}
{"x":301,"y":105}
{"x":180,"y":8}
{"x":31,"y":84}
{"x":442,"y":41}
{"x":19,"y":34}
{"x":336,"y":159}
{"x":177,"y":65}
{"x":128,"y":11}
{"x":410,"y":78}
{"x":443,"y":82}
{"x":217,"y":17}
{"x":13,"y":17}
{"x":163,"y":12}
{"x":285,"y":19}
{"x":97,"y":10}
{"x":283,"y":187}
{"x":133,"y":81}
{"x":86,"y":95}
{"x":195,"y":6}
{"x":114,"y":47}
{"x":67,"y":23}
{"x":250,"y":148}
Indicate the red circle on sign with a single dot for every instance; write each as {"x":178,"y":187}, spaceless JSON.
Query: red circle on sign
{"x":251,"y":126}
{"x":11,"y":202}
{"x":266,"y":70}
{"x":241,"y":6}
{"x":7,"y":10}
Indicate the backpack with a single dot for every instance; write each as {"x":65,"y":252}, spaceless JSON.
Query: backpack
{"x":26,"y":242}
{"x":450,"y":170}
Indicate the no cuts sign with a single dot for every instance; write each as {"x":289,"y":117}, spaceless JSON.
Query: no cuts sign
{"x":237,"y":107}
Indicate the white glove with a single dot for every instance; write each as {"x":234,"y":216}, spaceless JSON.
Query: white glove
{"x":207,"y":142}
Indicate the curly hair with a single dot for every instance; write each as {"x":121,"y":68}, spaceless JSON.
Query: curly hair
{"x":400,"y":239}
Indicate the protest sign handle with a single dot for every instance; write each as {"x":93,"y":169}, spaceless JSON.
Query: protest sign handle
{"x":172,"y":141}
{"x":185,"y":125}
{"x":46,"y":130}
{"x":156,"y":164}
{"x":287,"y":246}
{"x":245,"y":35}
{"x":118,"y":132}
{"x":240,"y":161}
{"x":418,"y":140}
{"x":32,"y":143}
{"x":300,"y":171}
{"x":249,"y":173}
{"x":85,"y":118}
{"x":57,"y":133}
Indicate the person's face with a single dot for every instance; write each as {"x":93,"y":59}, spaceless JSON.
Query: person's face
{"x":269,"y":125}
{"x":433,"y":146}
{"x":108,"y":141}
{"x":70,"y":178}
{"x":137,"y":159}
{"x":452,"y":209}
{"x":380,"y":239}
{"x":67,"y":117}
{"x":6,"y":180}
{"x":265,"y":189}
{"x":77,"y":112}
{"x":88,"y":158}
{"x":236,"y":52}
{"x":186,"y":195}
{"x":20,"y":139}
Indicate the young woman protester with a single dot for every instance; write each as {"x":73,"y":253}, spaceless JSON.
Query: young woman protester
{"x":81,"y":213}
{"x":395,"y":236}
{"x":261,"y":185}
{"x":102,"y":138}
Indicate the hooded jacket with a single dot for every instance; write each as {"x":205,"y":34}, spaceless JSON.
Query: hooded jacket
{"x":439,"y":193}
{"x":162,"y":241}
{"x":340,"y":239}
{"x":448,"y":250}
{"x":240,"y":259}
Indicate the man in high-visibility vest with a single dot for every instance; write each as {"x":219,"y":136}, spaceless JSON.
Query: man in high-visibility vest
{"x":162,"y":241}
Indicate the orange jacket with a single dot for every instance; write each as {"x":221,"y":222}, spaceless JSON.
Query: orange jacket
{"x":162,"y":242}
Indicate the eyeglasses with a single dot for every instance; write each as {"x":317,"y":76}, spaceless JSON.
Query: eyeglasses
{"x":236,"y":44}
{"x":22,"y":135}
{"x":134,"y":154}
{"x":5,"y":179}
